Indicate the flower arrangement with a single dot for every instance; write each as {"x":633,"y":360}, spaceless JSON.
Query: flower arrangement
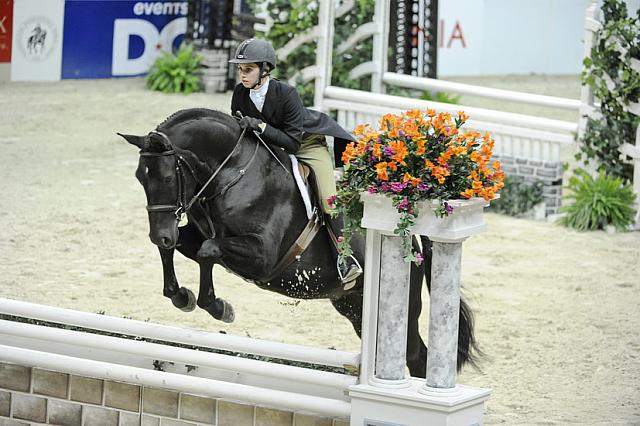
{"x":415,"y":156}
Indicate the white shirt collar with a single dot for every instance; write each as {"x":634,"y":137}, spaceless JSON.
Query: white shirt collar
{"x":258,"y":95}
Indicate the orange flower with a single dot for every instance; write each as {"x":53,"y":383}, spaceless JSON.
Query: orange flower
{"x":349,"y":153}
{"x":377,"y":150}
{"x":413,"y":181}
{"x":400,"y":150}
{"x":421,"y":146}
{"x":462,"y":116}
{"x":467,"y":193}
{"x":360,"y":129}
{"x":381,"y":170}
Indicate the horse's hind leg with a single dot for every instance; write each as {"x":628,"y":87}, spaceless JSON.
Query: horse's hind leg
{"x":350,"y":306}
{"x":416,"y":349}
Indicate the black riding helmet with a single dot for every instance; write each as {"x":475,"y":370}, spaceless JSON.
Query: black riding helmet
{"x":256,"y":51}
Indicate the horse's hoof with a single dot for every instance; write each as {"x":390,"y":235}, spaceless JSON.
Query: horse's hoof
{"x":228,"y":314}
{"x":183,"y":293}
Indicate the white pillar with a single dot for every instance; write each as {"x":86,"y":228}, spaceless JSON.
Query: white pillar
{"x":384,"y":395}
{"x":442,"y":352}
{"x":393,"y":311}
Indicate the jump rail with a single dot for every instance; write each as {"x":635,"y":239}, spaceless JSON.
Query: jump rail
{"x":184,"y":369}
{"x":180,"y":335}
{"x":412,"y":82}
{"x":516,"y":135}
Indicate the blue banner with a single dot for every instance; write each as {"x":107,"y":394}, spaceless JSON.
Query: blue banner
{"x":115,"y":38}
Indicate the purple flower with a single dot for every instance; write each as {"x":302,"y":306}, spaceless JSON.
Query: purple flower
{"x":398,"y":186}
{"x":388,"y":151}
{"x":423,"y":187}
{"x":384,"y":187}
{"x":419,"y":258}
{"x":448,"y":208}
{"x":404,"y":204}
{"x":372,"y":189}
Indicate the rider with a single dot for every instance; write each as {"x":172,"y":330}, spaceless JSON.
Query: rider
{"x":274,"y":110}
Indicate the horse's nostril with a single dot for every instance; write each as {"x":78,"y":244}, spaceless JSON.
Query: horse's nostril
{"x":166,"y":242}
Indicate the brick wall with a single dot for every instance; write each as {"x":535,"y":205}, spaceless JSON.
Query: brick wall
{"x":550,"y":173}
{"x":37,"y":396}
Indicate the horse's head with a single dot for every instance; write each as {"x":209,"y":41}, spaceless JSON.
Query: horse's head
{"x":159,"y":176}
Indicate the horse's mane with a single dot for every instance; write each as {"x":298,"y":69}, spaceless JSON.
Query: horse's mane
{"x":184,"y":115}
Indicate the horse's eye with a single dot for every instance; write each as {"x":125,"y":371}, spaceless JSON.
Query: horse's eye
{"x":168,"y":179}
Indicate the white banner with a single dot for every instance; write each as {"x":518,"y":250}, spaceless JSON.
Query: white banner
{"x":37,"y":40}
{"x":496,"y":37}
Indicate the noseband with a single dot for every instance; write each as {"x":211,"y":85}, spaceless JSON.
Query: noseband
{"x":181,"y":206}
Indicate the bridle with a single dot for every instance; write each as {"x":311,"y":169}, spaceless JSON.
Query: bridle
{"x":182,"y":206}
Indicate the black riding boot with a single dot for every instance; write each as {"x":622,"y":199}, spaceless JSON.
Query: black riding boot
{"x":349,"y":269}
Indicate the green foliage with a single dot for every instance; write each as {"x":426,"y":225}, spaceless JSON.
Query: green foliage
{"x":597,"y":202}
{"x":517,"y":197}
{"x":440,"y":97}
{"x":176,"y":73}
{"x":615,"y":83}
{"x":291,"y":18}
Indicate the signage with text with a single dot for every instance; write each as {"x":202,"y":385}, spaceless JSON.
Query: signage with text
{"x":119,"y":38}
{"x":6,"y":29}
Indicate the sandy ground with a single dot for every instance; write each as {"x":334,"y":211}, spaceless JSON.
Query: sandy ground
{"x":557,"y":310}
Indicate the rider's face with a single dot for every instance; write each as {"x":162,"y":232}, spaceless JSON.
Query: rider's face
{"x":249,"y":74}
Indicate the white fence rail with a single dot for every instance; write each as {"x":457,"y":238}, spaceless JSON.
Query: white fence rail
{"x":515,"y":134}
{"x":412,"y":82}
{"x":185,"y":369}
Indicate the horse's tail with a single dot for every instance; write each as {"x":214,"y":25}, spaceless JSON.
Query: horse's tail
{"x":468,"y":350}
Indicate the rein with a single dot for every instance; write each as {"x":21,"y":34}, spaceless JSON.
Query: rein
{"x":182,"y":207}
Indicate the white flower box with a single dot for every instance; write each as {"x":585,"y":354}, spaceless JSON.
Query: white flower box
{"x":467,"y":218}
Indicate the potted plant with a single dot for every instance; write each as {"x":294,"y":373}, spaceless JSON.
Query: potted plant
{"x":416,"y":161}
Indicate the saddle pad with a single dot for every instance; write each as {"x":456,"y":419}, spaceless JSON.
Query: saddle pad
{"x":301,"y":186}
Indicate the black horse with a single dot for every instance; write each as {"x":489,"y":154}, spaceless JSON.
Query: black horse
{"x":244,"y":212}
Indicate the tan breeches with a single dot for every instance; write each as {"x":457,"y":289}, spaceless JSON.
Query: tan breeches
{"x":315,"y":152}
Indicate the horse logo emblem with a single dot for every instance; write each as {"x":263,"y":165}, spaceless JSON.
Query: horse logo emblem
{"x":37,"y":38}
{"x":35,"y":42}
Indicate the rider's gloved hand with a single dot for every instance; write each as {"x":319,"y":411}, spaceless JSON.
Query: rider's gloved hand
{"x":251,"y":123}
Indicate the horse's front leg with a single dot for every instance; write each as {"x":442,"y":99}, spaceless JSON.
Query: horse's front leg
{"x":181,"y":297}
{"x":243,"y":253}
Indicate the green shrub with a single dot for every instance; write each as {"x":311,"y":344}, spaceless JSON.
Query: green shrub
{"x":176,"y":73}
{"x":598,"y":202}
{"x":440,"y":97}
{"x":517,"y":197}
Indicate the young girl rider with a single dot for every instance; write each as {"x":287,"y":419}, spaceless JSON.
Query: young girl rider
{"x":274,"y":110}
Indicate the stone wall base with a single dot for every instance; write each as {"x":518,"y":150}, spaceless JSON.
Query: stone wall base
{"x":37,"y":396}
{"x":530,"y":171}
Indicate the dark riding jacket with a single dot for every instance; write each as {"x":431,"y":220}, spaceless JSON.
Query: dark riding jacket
{"x":288,"y":120}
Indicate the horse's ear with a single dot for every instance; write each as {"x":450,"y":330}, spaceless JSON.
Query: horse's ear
{"x":134,"y":140}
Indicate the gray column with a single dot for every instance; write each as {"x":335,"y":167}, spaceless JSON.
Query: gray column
{"x":393,"y":310}
{"x":443,"y":319}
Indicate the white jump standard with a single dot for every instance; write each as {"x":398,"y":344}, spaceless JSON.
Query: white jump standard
{"x":384,"y":396}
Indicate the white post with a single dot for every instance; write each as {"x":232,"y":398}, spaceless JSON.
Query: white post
{"x":384,"y":395}
{"x":634,"y":152}
{"x":380,"y":44}
{"x":393,"y":311}
{"x":324,"y":51}
{"x":442,"y":352}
